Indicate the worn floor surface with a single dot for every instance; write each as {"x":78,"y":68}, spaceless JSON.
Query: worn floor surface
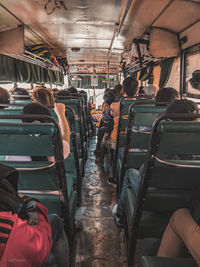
{"x":101,"y":241}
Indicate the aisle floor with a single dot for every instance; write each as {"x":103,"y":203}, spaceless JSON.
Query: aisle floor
{"x":101,"y":241}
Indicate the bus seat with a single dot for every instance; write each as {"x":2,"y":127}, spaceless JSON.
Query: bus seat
{"x":172,"y":181}
{"x":141,"y":118}
{"x":148,"y":261}
{"x":42,"y":179}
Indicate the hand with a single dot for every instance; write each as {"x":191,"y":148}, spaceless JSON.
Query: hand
{"x":59,"y":109}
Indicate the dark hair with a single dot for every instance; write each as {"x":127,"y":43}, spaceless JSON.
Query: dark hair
{"x":109,"y":98}
{"x":43,"y":96}
{"x":63,"y":93}
{"x":166,"y":94}
{"x":182,"y":107}
{"x":130,"y":86}
{"x":118,"y":89}
{"x":20,"y":92}
{"x":72,"y":90}
{"x":4,"y":97}
{"x":35,"y":109}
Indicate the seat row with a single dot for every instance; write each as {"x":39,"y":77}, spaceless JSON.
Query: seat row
{"x":57,"y":184}
{"x":165,"y":145}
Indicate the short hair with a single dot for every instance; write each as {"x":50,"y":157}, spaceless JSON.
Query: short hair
{"x":166,"y":94}
{"x":109,"y":98}
{"x":118,"y":88}
{"x":73,"y":90}
{"x":43,"y":96}
{"x":183,"y":107}
{"x":63,"y":93}
{"x":20,"y":92}
{"x":4,"y":97}
{"x":150,"y":90}
{"x":35,"y":109}
{"x":130,"y":86}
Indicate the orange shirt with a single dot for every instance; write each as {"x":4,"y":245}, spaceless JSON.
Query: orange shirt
{"x":115,"y":129}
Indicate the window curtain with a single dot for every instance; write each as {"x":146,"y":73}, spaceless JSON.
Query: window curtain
{"x":166,"y":67}
{"x":14,"y":70}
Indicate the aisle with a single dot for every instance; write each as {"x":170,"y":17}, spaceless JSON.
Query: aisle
{"x":101,"y":241}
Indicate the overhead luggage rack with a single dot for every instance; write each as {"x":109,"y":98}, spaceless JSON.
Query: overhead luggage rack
{"x":36,"y":60}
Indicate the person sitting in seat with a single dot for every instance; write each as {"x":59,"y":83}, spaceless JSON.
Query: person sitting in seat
{"x":133,"y":177}
{"x":109,"y":98}
{"x":45,"y":97}
{"x":182,"y":232}
{"x":73,"y":91}
{"x":166,"y":94}
{"x":38,"y":109}
{"x":150,"y":91}
{"x":20,"y":94}
{"x":118,"y":90}
{"x":63,"y":93}
{"x":130,"y":88}
{"x":28,"y":238}
{"x":4,"y":97}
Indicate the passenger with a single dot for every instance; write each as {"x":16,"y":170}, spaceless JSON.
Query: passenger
{"x":166,"y":94}
{"x":4,"y":97}
{"x":73,"y":91}
{"x":150,"y":90}
{"x":43,"y":96}
{"x":182,"y":232}
{"x":118,"y":90}
{"x":63,"y":93}
{"x":38,"y":109}
{"x":130,"y":87}
{"x":108,"y":100}
{"x":20,"y":216}
{"x":20,"y":94}
{"x":132,"y":177}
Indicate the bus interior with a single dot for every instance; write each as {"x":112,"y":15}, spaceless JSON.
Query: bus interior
{"x":94,"y":45}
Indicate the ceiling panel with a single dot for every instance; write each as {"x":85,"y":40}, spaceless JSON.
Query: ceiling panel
{"x":179,"y":15}
{"x":141,"y":15}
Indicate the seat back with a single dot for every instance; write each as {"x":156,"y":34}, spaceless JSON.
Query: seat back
{"x":38,"y":177}
{"x":170,"y":176}
{"x":76,"y":104}
{"x":141,"y":118}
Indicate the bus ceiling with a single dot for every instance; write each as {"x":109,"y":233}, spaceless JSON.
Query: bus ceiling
{"x":97,"y":32}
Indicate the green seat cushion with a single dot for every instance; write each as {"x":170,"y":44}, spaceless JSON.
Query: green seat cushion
{"x":152,"y":224}
{"x":166,"y":262}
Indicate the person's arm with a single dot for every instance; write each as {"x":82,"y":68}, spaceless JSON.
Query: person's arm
{"x":64,"y":126}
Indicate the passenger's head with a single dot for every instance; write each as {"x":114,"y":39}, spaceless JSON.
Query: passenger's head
{"x":109,"y":98}
{"x":35,"y":109}
{"x":130,"y":86}
{"x":166,"y":94}
{"x":4,"y":97}
{"x":63,"y":93}
{"x":118,"y":90}
{"x":8,"y":189}
{"x":18,"y":94}
{"x":182,"y":107}
{"x":150,"y":90}
{"x":72,"y":90}
{"x":43,"y":96}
